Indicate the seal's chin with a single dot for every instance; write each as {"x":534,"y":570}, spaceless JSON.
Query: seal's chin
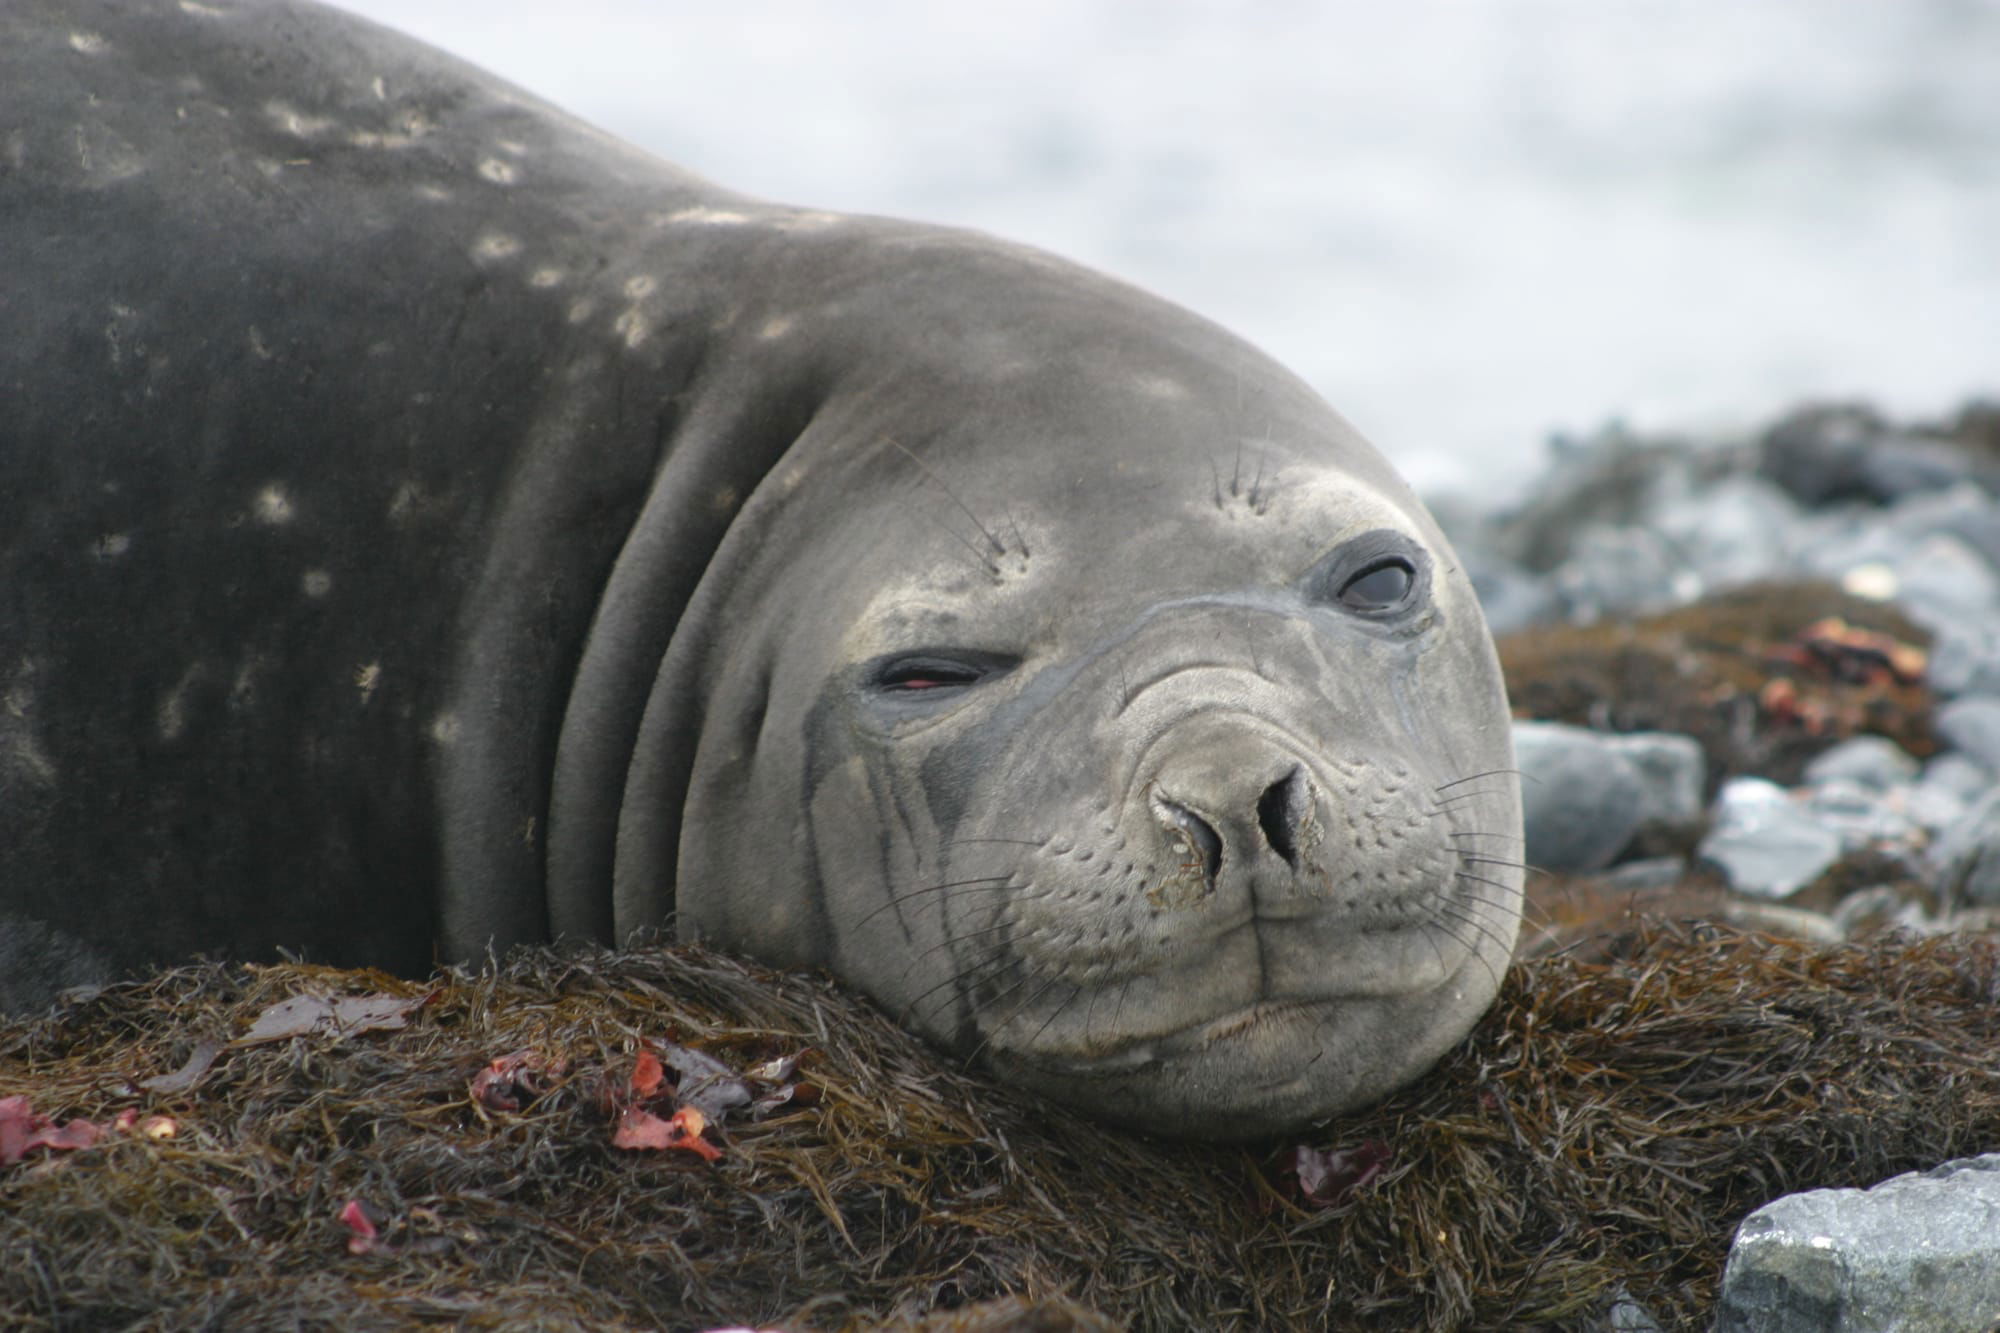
{"x":1269,"y":1067}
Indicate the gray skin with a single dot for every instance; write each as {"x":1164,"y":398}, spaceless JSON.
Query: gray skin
{"x":431,"y":525}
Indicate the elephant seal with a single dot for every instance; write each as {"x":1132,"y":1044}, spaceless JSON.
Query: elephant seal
{"x":432,"y":525}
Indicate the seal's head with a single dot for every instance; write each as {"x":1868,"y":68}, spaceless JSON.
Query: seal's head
{"x":1150,"y":742}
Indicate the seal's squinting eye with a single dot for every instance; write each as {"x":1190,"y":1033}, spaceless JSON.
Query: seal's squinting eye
{"x":1379,"y":587}
{"x":933,"y":674}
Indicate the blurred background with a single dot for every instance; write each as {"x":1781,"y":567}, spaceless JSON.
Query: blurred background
{"x":1469,"y":223}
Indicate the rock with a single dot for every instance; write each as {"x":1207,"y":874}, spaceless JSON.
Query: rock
{"x":1581,"y":799}
{"x":1965,"y":659}
{"x":1917,"y":1253}
{"x":1965,"y":860}
{"x":1654,"y":872}
{"x":1862,"y":816}
{"x":1764,"y":843}
{"x":1957,"y":775}
{"x":1736,"y":531}
{"x":1620,"y":570}
{"x":1971,"y":726}
{"x":1899,"y":466}
{"x":1936,"y":577}
{"x":1875,"y":762}
{"x":1671,"y":769}
{"x":1817,"y":453}
{"x":1512,"y":598}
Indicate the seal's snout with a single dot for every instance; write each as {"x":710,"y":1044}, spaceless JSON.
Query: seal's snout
{"x":1230,"y":815}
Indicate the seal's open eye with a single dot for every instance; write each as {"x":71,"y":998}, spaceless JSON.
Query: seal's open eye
{"x":1380,"y":577}
{"x":1379,"y":587}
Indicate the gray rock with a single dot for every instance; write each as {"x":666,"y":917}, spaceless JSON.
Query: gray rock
{"x":1965,"y":860}
{"x":1957,"y":775}
{"x":1621,"y":570}
{"x":1918,"y":1253}
{"x":1672,"y":769}
{"x":1629,"y":1316}
{"x":1731,"y":532}
{"x":1936,"y":577}
{"x":1818,"y":453}
{"x":1581,"y":799}
{"x":1875,"y":762}
{"x":1971,"y":726}
{"x":1863,"y":816}
{"x":1896,"y":466}
{"x":1655,"y":872}
{"x":1511,"y":597}
{"x":1764,"y":843}
{"x":1965,"y":659}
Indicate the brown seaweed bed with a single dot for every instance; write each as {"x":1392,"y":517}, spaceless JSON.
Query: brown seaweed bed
{"x":1597,"y":1137}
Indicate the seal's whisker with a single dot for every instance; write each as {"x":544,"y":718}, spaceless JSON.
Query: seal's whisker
{"x":1074,"y":991}
{"x":1055,"y":978}
{"x":1474,"y":777}
{"x":961,"y":980}
{"x":984,"y":883}
{"x":1463,"y":915}
{"x":999,"y":547}
{"x":1485,"y":833}
{"x":1470,"y":859}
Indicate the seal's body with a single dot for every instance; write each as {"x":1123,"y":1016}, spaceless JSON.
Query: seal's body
{"x":430,"y":525}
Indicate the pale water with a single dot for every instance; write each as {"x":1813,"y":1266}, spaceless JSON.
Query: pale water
{"x":1467,"y":222}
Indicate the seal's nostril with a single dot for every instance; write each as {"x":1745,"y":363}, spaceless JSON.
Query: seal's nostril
{"x":1282,"y":811}
{"x":1200,"y":843}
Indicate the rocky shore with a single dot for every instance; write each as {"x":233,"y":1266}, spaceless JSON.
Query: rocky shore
{"x":1758,"y":681}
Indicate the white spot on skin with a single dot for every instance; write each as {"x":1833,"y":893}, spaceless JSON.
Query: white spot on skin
{"x":641,"y":287}
{"x":242,"y":690}
{"x":111,"y":545}
{"x":511,"y":147}
{"x":89,"y":43}
{"x":295,"y":122}
{"x":546,"y":277}
{"x":316,"y":583}
{"x":500,"y":173}
{"x":272,"y":507}
{"x":21,"y":755}
{"x":702,"y":217}
{"x":632,"y":326}
{"x":366,"y":678}
{"x":203,"y":11}
{"x":173,"y":708}
{"x":403,"y":503}
{"x":495,"y":246}
{"x":380,"y":90}
{"x":806,"y":220}
{"x":580,"y":311}
{"x":258,"y":347}
{"x":1159,"y":386}
{"x":437,"y":194}
{"x":444,"y":728}
{"x":775,"y":327}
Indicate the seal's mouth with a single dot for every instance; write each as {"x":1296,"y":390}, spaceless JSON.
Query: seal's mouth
{"x":1264,"y":1019}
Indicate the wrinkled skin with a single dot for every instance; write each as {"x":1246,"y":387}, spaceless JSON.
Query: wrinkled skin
{"x":433,"y":526}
